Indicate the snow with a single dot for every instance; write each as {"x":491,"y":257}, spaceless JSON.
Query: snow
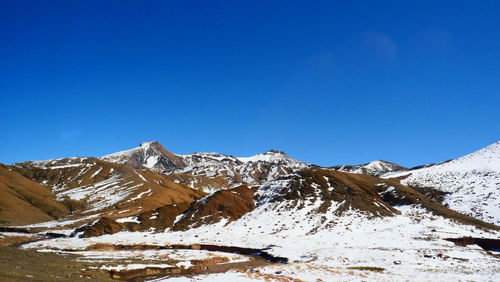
{"x":319,"y":246}
{"x":16,"y":234}
{"x":134,"y":266}
{"x":118,"y":156}
{"x":59,"y":223}
{"x":151,"y":161}
{"x":102,"y":194}
{"x":140,"y":175}
{"x":374,"y":168}
{"x":95,"y":173}
{"x":56,"y":163}
{"x":232,"y":276}
{"x":147,"y":155}
{"x":473,"y":182}
{"x":139,"y":196}
{"x":236,"y":171}
{"x":404,"y":245}
{"x":128,"y":219}
{"x":273,"y":157}
{"x":61,"y":166}
{"x":379,"y":166}
{"x":408,"y":246}
{"x":184,"y":264}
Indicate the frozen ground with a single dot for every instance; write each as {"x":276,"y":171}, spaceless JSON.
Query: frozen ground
{"x":409,"y":246}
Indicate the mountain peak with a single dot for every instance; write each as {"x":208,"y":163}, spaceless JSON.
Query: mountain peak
{"x":273,"y":152}
{"x":273,"y":157}
{"x":148,"y":155}
{"x":149,"y":143}
{"x":375,"y":168}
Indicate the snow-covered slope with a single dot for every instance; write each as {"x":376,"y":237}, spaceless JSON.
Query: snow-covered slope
{"x":374,"y":168}
{"x":333,"y":226}
{"x":472,"y":181}
{"x":409,"y":246}
{"x":326,"y":223}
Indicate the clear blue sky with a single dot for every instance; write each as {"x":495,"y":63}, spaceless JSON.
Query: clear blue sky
{"x":328,"y":82}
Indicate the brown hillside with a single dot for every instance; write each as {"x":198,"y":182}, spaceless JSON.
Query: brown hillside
{"x":92,"y":186}
{"x":373,"y":195}
{"x":22,"y":201}
{"x":201,"y":182}
{"x":160,"y":218}
{"x":104,"y":225}
{"x":228,"y":204}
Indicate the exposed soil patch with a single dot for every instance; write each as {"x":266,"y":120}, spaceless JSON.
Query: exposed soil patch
{"x":369,"y":268}
{"x":432,"y":193}
{"x":29,"y":265}
{"x":245,"y":251}
{"x":18,"y":236}
{"x":160,"y":218}
{"x":14,"y":229}
{"x":485,"y":243}
{"x":17,"y":240}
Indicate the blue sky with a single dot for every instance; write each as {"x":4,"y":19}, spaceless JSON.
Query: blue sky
{"x":328,"y":82}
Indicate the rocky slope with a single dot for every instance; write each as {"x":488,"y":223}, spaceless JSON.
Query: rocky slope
{"x":149,"y":155}
{"x":208,"y":171}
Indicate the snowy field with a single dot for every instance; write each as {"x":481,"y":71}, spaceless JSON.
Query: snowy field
{"x":409,"y":246}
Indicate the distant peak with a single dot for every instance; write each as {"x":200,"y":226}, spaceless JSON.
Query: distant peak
{"x":380,"y":162}
{"x":147,"y":144}
{"x":273,"y":152}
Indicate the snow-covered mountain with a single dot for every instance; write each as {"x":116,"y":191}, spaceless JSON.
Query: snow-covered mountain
{"x":374,"y":168}
{"x":208,"y":171}
{"x":469,"y":184}
{"x":472,"y":182}
{"x":146,"y":205}
{"x":322,"y":224}
{"x":149,"y":155}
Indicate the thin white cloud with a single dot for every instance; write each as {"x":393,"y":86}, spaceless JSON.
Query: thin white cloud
{"x":377,"y":45}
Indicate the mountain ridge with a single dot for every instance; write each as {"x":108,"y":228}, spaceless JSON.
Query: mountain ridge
{"x":211,"y":172}
{"x":314,"y":217}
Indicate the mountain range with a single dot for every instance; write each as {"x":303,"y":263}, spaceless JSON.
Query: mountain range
{"x":270,"y":201}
